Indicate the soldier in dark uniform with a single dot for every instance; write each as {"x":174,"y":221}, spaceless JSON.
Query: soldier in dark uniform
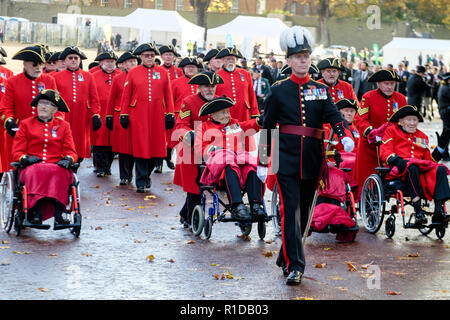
{"x":404,"y":76}
{"x":444,"y":110}
{"x":300,"y":106}
{"x":416,"y":89}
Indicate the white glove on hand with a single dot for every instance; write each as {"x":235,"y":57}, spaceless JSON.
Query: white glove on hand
{"x":261,"y":173}
{"x":348,"y":144}
{"x":378,"y":139}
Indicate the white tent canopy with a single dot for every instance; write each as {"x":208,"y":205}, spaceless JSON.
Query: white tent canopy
{"x":161,"y":26}
{"x":411,"y":48}
{"x":246,"y":31}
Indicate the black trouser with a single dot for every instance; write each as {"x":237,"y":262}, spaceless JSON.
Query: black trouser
{"x":103,"y":158}
{"x":253,"y":187}
{"x":37,"y":210}
{"x":144,"y":167}
{"x":192,"y":200}
{"x":296,"y":197}
{"x":414,"y":187}
{"x":126,"y":164}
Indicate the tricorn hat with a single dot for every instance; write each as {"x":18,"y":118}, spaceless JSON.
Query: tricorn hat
{"x":106,"y":55}
{"x":54,"y":57}
{"x":210,"y":55}
{"x":286,"y":69}
{"x":295,"y":40}
{"x":347,"y":103}
{"x":126,"y":56}
{"x":330,"y":63}
{"x":72,"y":50}
{"x":2,"y":60}
{"x":206,"y":77}
{"x":216,"y":104}
{"x":52,"y":96}
{"x":169,"y":48}
{"x":3,"y":52}
{"x":146,"y":47}
{"x":190,"y":60}
{"x":93,"y":65}
{"x":421,"y":69}
{"x":32,"y":53}
{"x":384,"y":75}
{"x":232,"y":51}
{"x":313,"y":69}
{"x":404,"y":111}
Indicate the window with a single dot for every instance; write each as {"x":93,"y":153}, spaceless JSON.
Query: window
{"x":159,"y":4}
{"x":104,"y":3}
{"x":235,"y":6}
{"x":179,"y":5}
{"x":128,"y":3}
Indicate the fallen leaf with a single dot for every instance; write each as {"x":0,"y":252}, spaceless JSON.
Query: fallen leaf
{"x":351,"y":267}
{"x":171,"y":261}
{"x":216,"y":276}
{"x":137,"y":241}
{"x":86,"y":254}
{"x":150,"y":258}
{"x":326,"y":249}
{"x":171,"y":204}
{"x":44,"y":289}
{"x":140,"y":207}
{"x":415,"y":255}
{"x":99,"y":228}
{"x":130,"y":208}
{"x":168,"y":189}
{"x":268,"y":254}
{"x":156,"y":215}
{"x":97,"y":187}
{"x":5,"y":242}
{"x":342,"y":288}
{"x":21,"y":252}
{"x":393,"y":293}
{"x":243,"y":237}
{"x":191,"y":242}
{"x":4,"y":263}
{"x":320,"y":265}
{"x":149,"y":197}
{"x":5,"y":247}
{"x":229,"y":275}
{"x":336,"y":278}
{"x":52,"y":255}
{"x":304,"y":298}
{"x":366,"y":266}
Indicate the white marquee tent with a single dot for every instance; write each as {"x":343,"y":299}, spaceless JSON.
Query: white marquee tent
{"x":246,"y":31}
{"x":161,"y":26}
{"x":411,"y":48}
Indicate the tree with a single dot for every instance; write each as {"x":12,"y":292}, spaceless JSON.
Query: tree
{"x":200,"y":9}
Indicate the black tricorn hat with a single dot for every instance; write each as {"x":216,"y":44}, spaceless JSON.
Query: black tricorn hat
{"x":93,"y":64}
{"x":2,"y":60}
{"x":216,"y":104}
{"x":52,"y":96}
{"x":347,"y":103}
{"x":206,"y":77}
{"x":229,"y":52}
{"x":313,"y":69}
{"x":3,"y":52}
{"x":146,"y":47}
{"x":72,"y":50}
{"x":285,"y":69}
{"x":47,"y":56}
{"x":106,"y":55}
{"x":295,"y":40}
{"x":126,"y":56}
{"x":404,"y":111}
{"x":190,"y":60}
{"x":384,"y":75}
{"x":32,"y":53}
{"x":54,"y":57}
{"x":330,"y":63}
{"x":210,"y":55}
{"x":168,"y":48}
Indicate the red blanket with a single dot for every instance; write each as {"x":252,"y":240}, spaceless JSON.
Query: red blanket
{"x":46,"y":180}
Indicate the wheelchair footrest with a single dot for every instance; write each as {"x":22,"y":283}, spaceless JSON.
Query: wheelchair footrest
{"x":252,"y":220}
{"x":65,"y":226}
{"x":36,"y":226}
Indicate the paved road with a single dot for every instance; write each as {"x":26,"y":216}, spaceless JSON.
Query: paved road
{"x":133,"y":247}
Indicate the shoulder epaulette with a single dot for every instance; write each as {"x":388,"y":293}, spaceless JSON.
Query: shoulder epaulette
{"x":279,"y":81}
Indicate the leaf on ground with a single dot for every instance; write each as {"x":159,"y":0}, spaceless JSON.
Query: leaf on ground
{"x":268,"y":254}
{"x":171,"y":260}
{"x":4,"y":263}
{"x":150,"y":258}
{"x":304,"y":298}
{"x":44,"y":289}
{"x":191,"y":242}
{"x":168,"y":189}
{"x":52,"y":255}
{"x":243,"y":237}
{"x":171,"y":204}
{"x":326,"y":249}
{"x":336,"y":278}
{"x":21,"y":252}
{"x":320,"y":265}
{"x":5,"y":247}
{"x":342,"y":288}
{"x":86,"y":254}
{"x":5,"y":242}
{"x":413,"y":255}
{"x":393,"y":293}
{"x":149,"y":197}
{"x":351,"y":267}
{"x":366,"y":266}
{"x":99,"y":228}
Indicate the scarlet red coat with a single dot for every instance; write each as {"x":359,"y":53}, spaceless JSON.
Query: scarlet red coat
{"x":103,"y":82}
{"x":79,"y":91}
{"x":5,"y":74}
{"x":147,"y":98}
{"x":341,"y":90}
{"x":374,"y":111}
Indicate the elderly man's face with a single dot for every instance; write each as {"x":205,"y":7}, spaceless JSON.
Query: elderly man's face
{"x":72,"y":61}
{"x":229,"y":62}
{"x":33,"y":69}
{"x":207,"y":91}
{"x":216,"y":63}
{"x":330,"y":75}
{"x":108,"y":65}
{"x":190,"y":70}
{"x":221,"y":116}
{"x":130,"y":64}
{"x":300,"y":63}
{"x":148,"y":58}
{"x":348,"y":114}
{"x":409,"y":123}
{"x":46,"y":110}
{"x":387,"y":87}
{"x":168,"y":58}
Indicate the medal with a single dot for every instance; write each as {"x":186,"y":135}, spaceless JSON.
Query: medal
{"x":156,"y":75}
{"x":41,"y":87}
{"x":80,"y":77}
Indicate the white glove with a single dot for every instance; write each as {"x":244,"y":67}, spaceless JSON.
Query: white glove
{"x":378,"y":139}
{"x":348,"y":144}
{"x":261,"y":173}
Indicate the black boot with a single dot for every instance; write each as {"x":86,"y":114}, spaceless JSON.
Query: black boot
{"x":418,"y":213}
{"x":59,"y":209}
{"x":239,"y":212}
{"x":439,"y":213}
{"x":258,"y":210}
{"x":169,"y":162}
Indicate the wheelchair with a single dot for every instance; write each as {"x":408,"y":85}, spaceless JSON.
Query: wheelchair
{"x":376,"y":196}
{"x":346,"y":202}
{"x":208,"y":212}
{"x":14,"y":208}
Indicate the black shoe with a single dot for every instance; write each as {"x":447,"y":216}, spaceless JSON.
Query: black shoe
{"x":420,"y":217}
{"x":170,"y":164}
{"x":294,"y":278}
{"x":61,"y":220}
{"x":258,"y":211}
{"x":158,"y":169}
{"x":149,"y":183}
{"x":108,"y":172}
{"x":285,"y":271}
{"x":100,"y":174}
{"x":123,"y":182}
{"x":240,"y":212}
{"x":140,"y":190}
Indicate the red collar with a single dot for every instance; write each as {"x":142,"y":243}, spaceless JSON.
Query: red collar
{"x":300,"y":81}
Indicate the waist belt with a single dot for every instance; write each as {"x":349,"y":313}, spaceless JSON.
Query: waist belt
{"x":302,"y":131}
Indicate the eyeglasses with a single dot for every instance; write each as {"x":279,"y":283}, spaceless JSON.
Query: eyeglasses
{"x":148,"y":55}
{"x":46,"y":103}
{"x":73,"y":57}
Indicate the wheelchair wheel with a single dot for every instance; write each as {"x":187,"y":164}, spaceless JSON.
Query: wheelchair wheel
{"x":246,"y":228}
{"x":76,"y":230}
{"x":261,"y":230}
{"x":207,"y":229}
{"x":7,"y":202}
{"x":18,"y":224}
{"x":275,"y":210}
{"x":425,"y":230}
{"x":372,"y":199}
{"x":390,"y":226}
{"x":440,"y":232}
{"x":197,"y":220}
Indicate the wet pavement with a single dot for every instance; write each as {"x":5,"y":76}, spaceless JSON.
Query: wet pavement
{"x":132,"y":246}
